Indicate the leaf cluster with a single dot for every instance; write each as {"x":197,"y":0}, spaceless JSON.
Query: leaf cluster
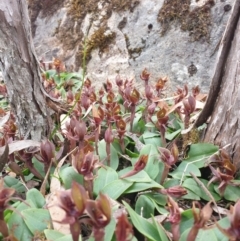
{"x":121,"y":165}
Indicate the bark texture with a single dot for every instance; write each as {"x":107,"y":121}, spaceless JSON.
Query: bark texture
{"x":224,"y":97}
{"x":21,"y":70}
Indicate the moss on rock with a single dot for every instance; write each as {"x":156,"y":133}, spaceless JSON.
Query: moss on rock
{"x":197,"y":22}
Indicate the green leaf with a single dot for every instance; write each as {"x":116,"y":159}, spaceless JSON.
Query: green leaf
{"x":191,"y":195}
{"x":161,"y":232}
{"x":212,"y":233}
{"x":150,"y":125}
{"x":39,"y":166}
{"x":18,"y":226}
{"x":116,"y":188}
{"x":152,"y":167}
{"x":141,"y":176}
{"x":103,"y":154}
{"x":161,"y":210}
{"x":144,"y":206}
{"x":138,"y":123}
{"x":158,"y":198}
{"x":105,"y":175}
{"x":35,"y":198}
{"x":142,"y":186}
{"x":52,"y":234}
{"x":171,"y":135}
{"x":131,"y":153}
{"x":224,"y":223}
{"x":187,"y":220}
{"x":142,"y":225}
{"x":67,"y":237}
{"x":171,"y":183}
{"x":117,"y":146}
{"x":161,"y":170}
{"x":151,"y":138}
{"x":231,"y":193}
{"x":109,"y":230}
{"x":12,"y":182}
{"x":57,"y":236}
{"x":74,"y":75}
{"x":50,"y":73}
{"x":184,"y":169}
{"x":36,"y":219}
{"x":69,"y":174}
{"x":195,"y":188}
{"x":201,"y":152}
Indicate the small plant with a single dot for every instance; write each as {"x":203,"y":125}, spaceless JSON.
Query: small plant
{"x":113,"y":165}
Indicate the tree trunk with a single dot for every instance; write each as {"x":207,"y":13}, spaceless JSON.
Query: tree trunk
{"x":223,"y":103}
{"x":21,"y":71}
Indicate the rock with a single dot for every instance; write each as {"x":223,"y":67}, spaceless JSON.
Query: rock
{"x":124,"y":37}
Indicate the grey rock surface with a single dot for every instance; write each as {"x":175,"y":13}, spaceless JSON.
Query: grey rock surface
{"x":138,"y":42}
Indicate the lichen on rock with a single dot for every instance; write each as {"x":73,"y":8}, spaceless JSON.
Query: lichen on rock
{"x":197,"y":22}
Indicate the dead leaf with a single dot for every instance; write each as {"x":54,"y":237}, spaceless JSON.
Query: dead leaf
{"x":19,"y":145}
{"x":4,"y":119}
{"x":4,"y":157}
{"x":57,"y":214}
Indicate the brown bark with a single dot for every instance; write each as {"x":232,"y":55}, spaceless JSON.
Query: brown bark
{"x":223,"y":103}
{"x":21,"y":71}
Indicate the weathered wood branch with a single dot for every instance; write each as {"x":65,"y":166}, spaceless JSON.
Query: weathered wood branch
{"x":223,"y":52}
{"x":20,"y":69}
{"x":223,"y":104}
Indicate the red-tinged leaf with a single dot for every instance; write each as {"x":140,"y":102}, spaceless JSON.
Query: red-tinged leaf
{"x":175,"y":192}
{"x":119,"y":81}
{"x":99,"y":211}
{"x":175,"y":152}
{"x":129,"y":174}
{"x":228,"y":165}
{"x":87,"y":83}
{"x":47,"y":150}
{"x":121,"y":124}
{"x":5,"y":194}
{"x":160,"y":84}
{"x":161,"y":113}
{"x":16,"y":169}
{"x":108,"y":137}
{"x":110,"y":97}
{"x":206,"y":213}
{"x":145,"y":75}
{"x":141,"y":163}
{"x":167,"y":157}
{"x":80,"y":129}
{"x":187,"y":107}
{"x":75,"y":230}
{"x":96,"y":115}
{"x":224,"y":155}
{"x":151,"y":108}
{"x":124,"y":230}
{"x":104,"y":206}
{"x":195,"y":91}
{"x":3,"y":228}
{"x":192,"y":103}
{"x":134,"y":96}
{"x":116,"y":109}
{"x":200,"y":218}
{"x":174,"y":215}
{"x":79,"y":196}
